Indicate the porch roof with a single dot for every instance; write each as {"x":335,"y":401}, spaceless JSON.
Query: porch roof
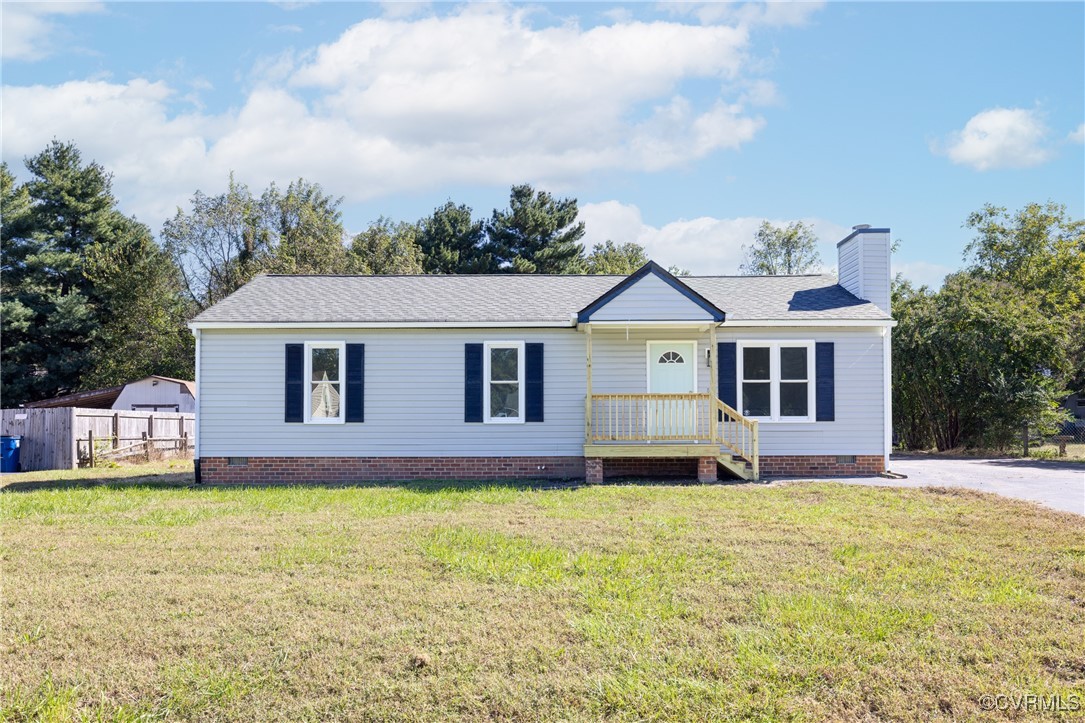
{"x":512,"y":299}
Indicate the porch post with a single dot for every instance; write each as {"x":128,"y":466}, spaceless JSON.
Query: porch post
{"x":713,"y":382}
{"x":587,"y":398}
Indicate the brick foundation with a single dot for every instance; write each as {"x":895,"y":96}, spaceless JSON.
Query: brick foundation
{"x":647,"y":467}
{"x":707,"y":469}
{"x":820,"y":465}
{"x":593,"y":470}
{"x":301,"y":470}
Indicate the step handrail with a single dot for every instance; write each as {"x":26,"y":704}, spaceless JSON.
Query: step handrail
{"x":739,"y":434}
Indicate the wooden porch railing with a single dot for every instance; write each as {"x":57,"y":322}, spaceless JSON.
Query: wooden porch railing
{"x":738,"y":434}
{"x":651,"y":417}
{"x":673,"y":418}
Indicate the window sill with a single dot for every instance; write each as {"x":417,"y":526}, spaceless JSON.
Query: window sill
{"x":501,"y":420}
{"x":785,"y":420}
{"x":324,"y":421}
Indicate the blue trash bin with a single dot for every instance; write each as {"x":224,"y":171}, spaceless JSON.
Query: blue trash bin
{"x":9,"y":452}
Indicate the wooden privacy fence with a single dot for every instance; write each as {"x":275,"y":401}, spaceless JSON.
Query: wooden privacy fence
{"x":68,"y":437}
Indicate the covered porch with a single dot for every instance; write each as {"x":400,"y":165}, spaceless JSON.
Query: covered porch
{"x":653,"y":380}
{"x":652,"y":392}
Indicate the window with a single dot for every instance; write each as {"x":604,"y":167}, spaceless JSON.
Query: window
{"x":671,"y":357}
{"x":324,"y":382}
{"x":775,"y":382}
{"x":503,"y":376}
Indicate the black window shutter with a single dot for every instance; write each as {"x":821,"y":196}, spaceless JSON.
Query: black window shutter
{"x":295,"y":383}
{"x":825,"y":389}
{"x":472,"y":382}
{"x":355,"y":383}
{"x":727,"y":368}
{"x":533,"y":394}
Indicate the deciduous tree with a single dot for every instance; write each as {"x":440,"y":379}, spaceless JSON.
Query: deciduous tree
{"x":612,"y":258}
{"x":790,"y":249}
{"x":227,"y":239}
{"x":387,"y":247}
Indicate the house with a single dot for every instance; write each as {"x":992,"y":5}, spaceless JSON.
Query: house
{"x":1075,"y":426}
{"x":152,"y":394}
{"x":350,"y":378}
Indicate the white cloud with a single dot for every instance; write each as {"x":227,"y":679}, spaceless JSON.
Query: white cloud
{"x":157,"y":160}
{"x":476,"y":96}
{"x":704,"y":245}
{"x":774,"y":13}
{"x":999,"y":138}
{"x":1078,"y":136}
{"x":403,"y":8}
{"x":29,"y":32}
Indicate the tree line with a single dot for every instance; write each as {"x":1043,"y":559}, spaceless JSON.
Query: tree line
{"x":1001,"y":342}
{"x":90,"y":299}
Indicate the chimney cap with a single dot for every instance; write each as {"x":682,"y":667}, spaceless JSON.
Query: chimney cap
{"x":860,"y":227}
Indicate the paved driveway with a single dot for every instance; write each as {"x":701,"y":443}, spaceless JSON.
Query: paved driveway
{"x":1060,"y":485}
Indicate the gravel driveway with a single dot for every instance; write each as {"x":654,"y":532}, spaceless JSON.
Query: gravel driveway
{"x":1060,"y":485}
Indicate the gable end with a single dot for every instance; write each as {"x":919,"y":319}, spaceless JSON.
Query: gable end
{"x":651,"y":269}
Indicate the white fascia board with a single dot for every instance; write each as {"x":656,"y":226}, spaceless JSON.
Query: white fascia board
{"x":684,"y":323}
{"x":380,"y":325}
{"x":827,"y":323}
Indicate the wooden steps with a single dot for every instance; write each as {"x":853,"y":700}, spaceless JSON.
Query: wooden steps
{"x":736,"y":465}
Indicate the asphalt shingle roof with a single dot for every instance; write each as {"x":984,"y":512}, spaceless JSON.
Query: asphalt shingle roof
{"x":512,"y":298}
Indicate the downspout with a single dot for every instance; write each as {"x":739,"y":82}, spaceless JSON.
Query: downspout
{"x":887,"y":372}
{"x":196,"y":422}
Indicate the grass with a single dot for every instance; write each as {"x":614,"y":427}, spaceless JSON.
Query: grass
{"x":153,"y":601}
{"x":1075,"y":452}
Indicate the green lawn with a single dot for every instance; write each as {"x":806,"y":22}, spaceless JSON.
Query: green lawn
{"x":422,"y":602}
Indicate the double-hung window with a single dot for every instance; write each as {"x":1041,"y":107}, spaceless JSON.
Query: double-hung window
{"x":776,"y":380}
{"x":324,"y":374}
{"x":503,"y":381}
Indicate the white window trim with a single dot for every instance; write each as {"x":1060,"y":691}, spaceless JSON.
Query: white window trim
{"x":774,"y":378}
{"x":648,"y":357}
{"x":486,"y":381}
{"x":342,"y":347}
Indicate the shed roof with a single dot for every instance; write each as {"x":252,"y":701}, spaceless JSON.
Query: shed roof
{"x":510,"y":299}
{"x":104,"y":398}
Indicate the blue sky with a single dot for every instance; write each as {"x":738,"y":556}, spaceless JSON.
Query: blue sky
{"x":680,"y":127}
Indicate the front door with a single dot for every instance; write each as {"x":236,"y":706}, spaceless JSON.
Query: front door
{"x":672,"y":369}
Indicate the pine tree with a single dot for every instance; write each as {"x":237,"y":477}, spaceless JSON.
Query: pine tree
{"x":538,"y":234}
{"x":88,"y":297}
{"x":451,"y":242}
{"x":49,"y":307}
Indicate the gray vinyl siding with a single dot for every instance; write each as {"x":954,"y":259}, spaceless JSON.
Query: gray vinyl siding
{"x":620,"y":359}
{"x":875,"y":258}
{"x":863,"y":268}
{"x":650,"y":299}
{"x":414,"y":397}
{"x":860,"y":411}
{"x":848,"y":269}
